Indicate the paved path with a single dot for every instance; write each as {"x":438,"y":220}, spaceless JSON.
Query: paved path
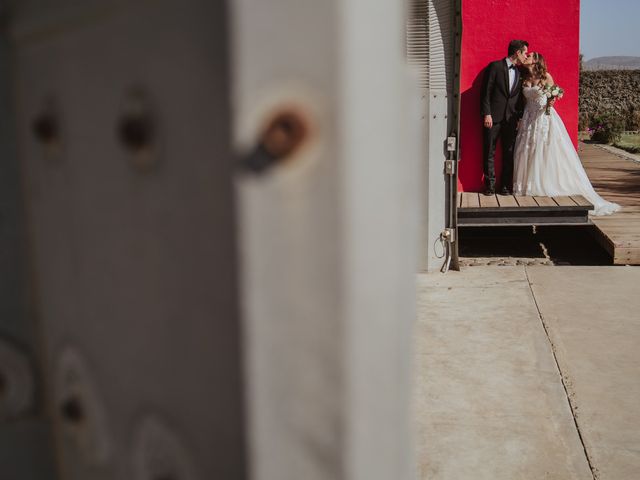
{"x":529,"y":373}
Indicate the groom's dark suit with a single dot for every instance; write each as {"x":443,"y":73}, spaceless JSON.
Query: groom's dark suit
{"x":505,"y":107}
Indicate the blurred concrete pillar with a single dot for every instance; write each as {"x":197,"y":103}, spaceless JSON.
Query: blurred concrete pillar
{"x":328,"y":238}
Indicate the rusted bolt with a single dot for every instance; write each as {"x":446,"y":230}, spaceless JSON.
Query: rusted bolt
{"x":72,"y":410}
{"x":45,"y":128}
{"x":136,"y":132}
{"x":284,"y":134}
{"x":282,"y":137}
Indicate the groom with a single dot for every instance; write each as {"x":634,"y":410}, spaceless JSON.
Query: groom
{"x":501,"y":108}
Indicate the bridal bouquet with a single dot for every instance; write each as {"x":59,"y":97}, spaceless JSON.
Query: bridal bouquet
{"x":552,"y":92}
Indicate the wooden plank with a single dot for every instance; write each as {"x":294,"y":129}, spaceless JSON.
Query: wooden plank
{"x":526,"y":201}
{"x":626,"y":256}
{"x":615,"y":225}
{"x":619,"y":216}
{"x":508,"y":201}
{"x":580,"y":200}
{"x":470,"y":200}
{"x":523,"y":216}
{"x":545,"y":201}
{"x":620,"y":238}
{"x":603,"y":240}
{"x":621,"y":233}
{"x":618,"y":219}
{"x":625,"y":242}
{"x":620,"y":229}
{"x":565,"y":201}
{"x":523,"y":221}
{"x":628,"y":227}
{"x":632,"y":228}
{"x":488,"y":201}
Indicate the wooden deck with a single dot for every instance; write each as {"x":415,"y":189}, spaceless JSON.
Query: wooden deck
{"x":476,"y":209}
{"x":615,"y":178}
{"x":618,"y":180}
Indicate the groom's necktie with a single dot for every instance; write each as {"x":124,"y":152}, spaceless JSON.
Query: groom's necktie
{"x":512,"y":83}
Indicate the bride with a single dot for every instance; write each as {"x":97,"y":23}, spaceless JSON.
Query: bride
{"x":546,"y":163}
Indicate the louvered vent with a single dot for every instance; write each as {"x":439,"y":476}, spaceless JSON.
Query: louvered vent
{"x":441,"y":30}
{"x":418,"y":39}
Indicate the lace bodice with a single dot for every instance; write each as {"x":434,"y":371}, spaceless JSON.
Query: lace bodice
{"x":536,"y":99}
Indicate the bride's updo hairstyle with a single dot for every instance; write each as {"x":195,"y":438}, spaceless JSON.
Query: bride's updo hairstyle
{"x":539,"y":70}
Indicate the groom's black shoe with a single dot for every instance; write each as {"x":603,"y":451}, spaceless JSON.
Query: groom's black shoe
{"x":506,"y":191}
{"x":488,"y":191}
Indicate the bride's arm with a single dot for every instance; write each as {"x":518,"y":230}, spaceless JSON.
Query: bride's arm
{"x":549,"y":81}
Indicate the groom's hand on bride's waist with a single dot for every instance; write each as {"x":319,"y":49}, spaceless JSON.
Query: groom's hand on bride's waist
{"x":488,"y":121}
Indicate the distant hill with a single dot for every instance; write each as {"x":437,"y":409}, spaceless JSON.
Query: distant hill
{"x":613,"y":63}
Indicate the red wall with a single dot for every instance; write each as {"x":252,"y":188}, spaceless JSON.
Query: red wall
{"x":551,"y":28}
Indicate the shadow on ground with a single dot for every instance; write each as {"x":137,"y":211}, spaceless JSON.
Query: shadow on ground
{"x":555,"y":245}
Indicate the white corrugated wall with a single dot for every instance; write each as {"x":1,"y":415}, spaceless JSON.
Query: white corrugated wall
{"x":430,"y":43}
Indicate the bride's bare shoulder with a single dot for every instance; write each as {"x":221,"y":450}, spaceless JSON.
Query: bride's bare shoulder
{"x":549,"y":79}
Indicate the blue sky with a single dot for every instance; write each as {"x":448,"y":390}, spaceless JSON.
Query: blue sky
{"x":610,"y":28}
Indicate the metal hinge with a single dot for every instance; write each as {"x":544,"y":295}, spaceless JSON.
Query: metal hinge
{"x":448,"y":235}
{"x":450,"y":167}
{"x":451,"y":144}
{"x":450,"y":164}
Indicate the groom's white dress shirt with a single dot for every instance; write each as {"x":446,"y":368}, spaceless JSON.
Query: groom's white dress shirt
{"x":512,"y":73}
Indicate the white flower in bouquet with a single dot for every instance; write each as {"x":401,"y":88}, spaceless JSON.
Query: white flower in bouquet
{"x":552,"y":92}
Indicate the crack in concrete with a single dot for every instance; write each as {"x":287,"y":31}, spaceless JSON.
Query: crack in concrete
{"x":566,"y":382}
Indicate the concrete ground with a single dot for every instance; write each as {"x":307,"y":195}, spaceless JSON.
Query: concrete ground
{"x":529,"y":372}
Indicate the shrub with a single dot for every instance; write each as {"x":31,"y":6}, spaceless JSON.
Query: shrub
{"x":610,"y":92}
{"x":633,"y":118}
{"x":607,"y":128}
{"x":583,"y":122}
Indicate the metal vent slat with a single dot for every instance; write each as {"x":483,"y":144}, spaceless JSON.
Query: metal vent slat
{"x":418,"y":39}
{"x":441,"y":29}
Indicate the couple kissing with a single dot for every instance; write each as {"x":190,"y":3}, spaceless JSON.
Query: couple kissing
{"x":539,"y":159}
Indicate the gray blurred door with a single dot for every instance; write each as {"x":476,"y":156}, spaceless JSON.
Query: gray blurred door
{"x":124,"y":138}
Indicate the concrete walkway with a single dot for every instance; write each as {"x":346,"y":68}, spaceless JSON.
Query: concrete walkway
{"x":529,"y":373}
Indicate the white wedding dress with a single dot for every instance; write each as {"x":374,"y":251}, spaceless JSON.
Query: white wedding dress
{"x":545,"y":161}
